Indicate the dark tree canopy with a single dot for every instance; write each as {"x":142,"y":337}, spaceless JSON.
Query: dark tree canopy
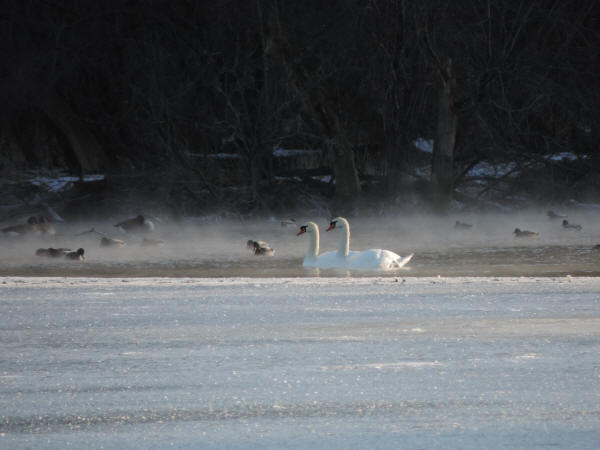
{"x":197,"y":95}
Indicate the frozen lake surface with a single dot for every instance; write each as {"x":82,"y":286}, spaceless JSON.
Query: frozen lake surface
{"x":343,"y":363}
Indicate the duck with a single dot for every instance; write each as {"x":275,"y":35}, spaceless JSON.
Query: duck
{"x":52,"y":252}
{"x":462,"y":226}
{"x":568,"y":226}
{"x":138,"y":224}
{"x":260,"y":248}
{"x":76,"y":256}
{"x":45,"y":227}
{"x":372,"y":259}
{"x":552,"y":215}
{"x":106,"y":241}
{"x":30,"y":228}
{"x":152,"y":242}
{"x":525,"y":233}
{"x":288,"y":223}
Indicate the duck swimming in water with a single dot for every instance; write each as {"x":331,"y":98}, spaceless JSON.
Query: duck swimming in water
{"x":525,"y":233}
{"x":552,"y":215}
{"x":569,"y":226}
{"x":76,"y":256}
{"x":52,"y":252}
{"x":139,"y":224}
{"x":45,"y":227}
{"x":106,"y":241}
{"x":288,"y":223}
{"x":30,"y":228}
{"x":462,"y":226}
{"x":152,"y":242}
{"x":260,"y":248}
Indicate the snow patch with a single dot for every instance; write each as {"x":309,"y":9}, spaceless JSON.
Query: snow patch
{"x":63,"y":182}
{"x":564,"y":156}
{"x":277,"y":178}
{"x":224,"y":156}
{"x":486,"y":169}
{"x":424,"y":145}
{"x":287,"y":153}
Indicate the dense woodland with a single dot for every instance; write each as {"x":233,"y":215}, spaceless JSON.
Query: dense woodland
{"x":182,"y":103}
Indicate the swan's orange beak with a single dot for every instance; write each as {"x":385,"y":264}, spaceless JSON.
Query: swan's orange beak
{"x":302,"y":231}
{"x":331,"y":226}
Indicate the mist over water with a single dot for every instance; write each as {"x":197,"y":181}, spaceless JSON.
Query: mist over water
{"x":200,"y":248}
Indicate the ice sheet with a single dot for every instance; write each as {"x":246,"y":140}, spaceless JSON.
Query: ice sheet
{"x":366,"y":362}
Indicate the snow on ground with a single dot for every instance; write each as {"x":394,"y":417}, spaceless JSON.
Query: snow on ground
{"x":61,"y":182}
{"x":290,"y":152}
{"x":425,"y":145}
{"x":224,"y":155}
{"x":372,"y":362}
{"x":486,"y":169}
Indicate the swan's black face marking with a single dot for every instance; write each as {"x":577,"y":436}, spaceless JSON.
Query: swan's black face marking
{"x":302,"y":230}
{"x":332,"y":225}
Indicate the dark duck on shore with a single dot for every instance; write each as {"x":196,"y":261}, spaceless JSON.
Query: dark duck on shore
{"x":569,"y":226}
{"x":139,"y":224}
{"x":76,"y":256}
{"x":525,"y":233}
{"x":52,"y":252}
{"x":260,"y":248}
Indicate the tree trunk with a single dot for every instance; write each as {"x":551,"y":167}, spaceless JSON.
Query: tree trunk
{"x":443,"y":149}
{"x":88,"y":152}
{"x":313,"y":99}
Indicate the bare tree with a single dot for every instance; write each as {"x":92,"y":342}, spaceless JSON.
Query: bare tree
{"x":315,"y":103}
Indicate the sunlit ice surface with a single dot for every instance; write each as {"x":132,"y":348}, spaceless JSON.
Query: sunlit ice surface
{"x":327,"y":362}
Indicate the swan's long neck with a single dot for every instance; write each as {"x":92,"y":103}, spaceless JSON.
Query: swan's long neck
{"x":313,"y":244}
{"x":344,"y":243}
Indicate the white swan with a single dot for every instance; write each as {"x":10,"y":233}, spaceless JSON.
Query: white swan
{"x":313,"y":259}
{"x":373,"y":259}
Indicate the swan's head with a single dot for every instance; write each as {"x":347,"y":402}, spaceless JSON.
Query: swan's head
{"x":337,"y":223}
{"x":308,"y":227}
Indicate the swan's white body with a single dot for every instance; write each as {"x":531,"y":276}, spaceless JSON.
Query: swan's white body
{"x":343,"y":258}
{"x":373,"y":259}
